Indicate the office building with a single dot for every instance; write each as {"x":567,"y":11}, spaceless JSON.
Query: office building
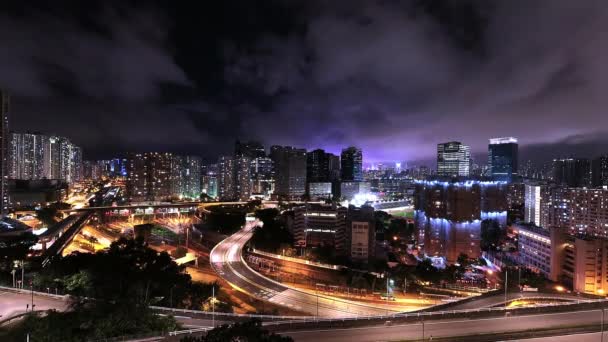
{"x":361,"y":233}
{"x":348,"y":190}
{"x":320,"y":190}
{"x":289,"y":171}
{"x":453,"y":159}
{"x":149,"y":176}
{"x":316,"y":225}
{"x":503,"y":158}
{"x":262,"y":178}
{"x":599,"y":171}
{"x":351,"y":164}
{"x":572,"y":172}
{"x":317,"y":166}
{"x":541,"y":250}
{"x":334,"y":167}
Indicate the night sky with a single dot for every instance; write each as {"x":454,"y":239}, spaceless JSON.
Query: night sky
{"x":393,"y":77}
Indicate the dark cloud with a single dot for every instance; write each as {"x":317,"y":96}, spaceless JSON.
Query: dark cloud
{"x":395,"y":77}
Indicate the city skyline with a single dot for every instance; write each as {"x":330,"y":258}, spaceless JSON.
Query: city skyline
{"x":279,"y":71}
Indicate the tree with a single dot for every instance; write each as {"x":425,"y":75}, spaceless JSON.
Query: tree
{"x":273,"y":234}
{"x":400,"y":227}
{"x":427,"y":272}
{"x":15,"y":248}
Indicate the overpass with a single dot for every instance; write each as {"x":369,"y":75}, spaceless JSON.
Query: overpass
{"x":227,"y":261}
{"x":61,"y":234}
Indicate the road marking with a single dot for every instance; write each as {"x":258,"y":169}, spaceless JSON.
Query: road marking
{"x":437,"y":323}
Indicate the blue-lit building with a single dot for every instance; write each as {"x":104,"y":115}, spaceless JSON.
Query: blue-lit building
{"x":449,"y":215}
{"x":502,"y":158}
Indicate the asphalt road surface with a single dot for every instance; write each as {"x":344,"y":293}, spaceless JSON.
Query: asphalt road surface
{"x":450,"y":328}
{"x":14,"y":303}
{"x":226,"y":260}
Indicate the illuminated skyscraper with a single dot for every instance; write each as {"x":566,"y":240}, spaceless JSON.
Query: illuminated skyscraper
{"x":225,"y":179}
{"x":186,"y":177}
{"x":62,"y":159}
{"x":502,"y":158}
{"x":26,"y":156}
{"x":149,"y":176}
{"x":453,"y":159}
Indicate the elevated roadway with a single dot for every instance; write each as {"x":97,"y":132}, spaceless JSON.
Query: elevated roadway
{"x":449,"y":328}
{"x":227,"y":261}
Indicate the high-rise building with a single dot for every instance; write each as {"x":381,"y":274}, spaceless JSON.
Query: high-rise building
{"x":334,"y":167}
{"x":449,"y":215}
{"x":599,"y":171}
{"x":317,"y":166}
{"x":262,"y":180}
{"x":250,"y":149}
{"x":234,"y":178}
{"x":242,"y":178}
{"x":351,"y":164}
{"x":186,"y":177}
{"x":225,"y":179}
{"x":289,"y":171}
{"x":579,"y":210}
{"x":319,"y":225}
{"x":209,"y":180}
{"x":453,"y":159}
{"x":361,"y":233}
{"x":62,"y":159}
{"x":534,"y":204}
{"x":27,"y":156}
{"x":572,"y":172}
{"x":149,"y":176}
{"x":4,"y":152}
{"x":502,"y":158}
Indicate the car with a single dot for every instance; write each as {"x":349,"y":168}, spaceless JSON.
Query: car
{"x":389,"y":297}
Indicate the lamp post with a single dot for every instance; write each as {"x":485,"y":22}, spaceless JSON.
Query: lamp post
{"x":602,"y":327}
{"x":213,"y":304}
{"x":506,"y":284}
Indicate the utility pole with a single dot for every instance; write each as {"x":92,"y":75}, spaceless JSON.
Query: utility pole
{"x":422,"y":328}
{"x":32,"y":288}
{"x":602,"y":327}
{"x":506,"y":284}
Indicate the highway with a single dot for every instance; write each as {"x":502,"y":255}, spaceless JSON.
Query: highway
{"x":447,"y":328}
{"x":226,"y":259}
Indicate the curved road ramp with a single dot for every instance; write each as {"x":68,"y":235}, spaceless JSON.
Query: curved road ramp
{"x":227,"y":261}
